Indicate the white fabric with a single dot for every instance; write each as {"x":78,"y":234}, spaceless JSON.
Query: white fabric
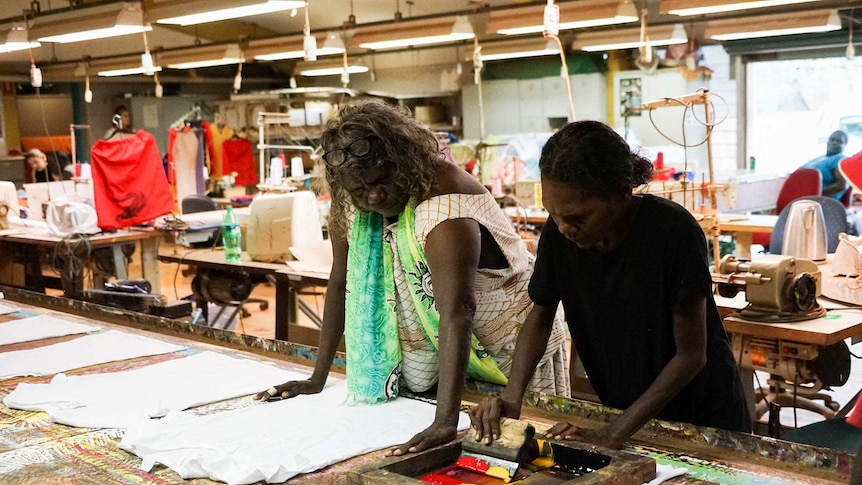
{"x":664,"y":473}
{"x":118,"y":399}
{"x":5,"y":309}
{"x":39,"y":327}
{"x":67,"y":217}
{"x":276,"y":441}
{"x":81,"y":352}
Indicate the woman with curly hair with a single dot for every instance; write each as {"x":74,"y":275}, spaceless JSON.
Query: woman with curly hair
{"x":429,"y":279}
{"x":631,"y":272}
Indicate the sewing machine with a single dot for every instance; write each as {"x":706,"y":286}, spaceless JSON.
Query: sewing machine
{"x":278,"y":221}
{"x":778,"y":288}
{"x":782,"y":290}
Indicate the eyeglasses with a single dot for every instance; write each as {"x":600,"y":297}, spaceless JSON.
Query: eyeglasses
{"x":358,"y":148}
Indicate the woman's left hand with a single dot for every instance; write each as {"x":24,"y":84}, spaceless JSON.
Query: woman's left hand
{"x":434,"y":435}
{"x":570,"y":432}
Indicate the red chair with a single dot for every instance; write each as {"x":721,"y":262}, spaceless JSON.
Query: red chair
{"x":802,"y":182}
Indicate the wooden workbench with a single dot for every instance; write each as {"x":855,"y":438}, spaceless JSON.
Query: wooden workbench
{"x":287,"y":284}
{"x":35,"y":450}
{"x":34,"y":240}
{"x":743,"y":228}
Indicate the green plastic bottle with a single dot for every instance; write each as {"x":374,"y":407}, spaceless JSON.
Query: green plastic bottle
{"x":231,"y":236}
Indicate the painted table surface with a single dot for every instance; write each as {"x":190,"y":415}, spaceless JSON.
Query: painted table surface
{"x":35,"y":450}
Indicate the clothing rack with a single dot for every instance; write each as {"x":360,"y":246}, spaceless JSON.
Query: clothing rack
{"x":193,"y":114}
{"x":264,"y":120}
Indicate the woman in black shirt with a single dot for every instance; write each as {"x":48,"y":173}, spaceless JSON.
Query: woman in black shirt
{"x":631,"y":272}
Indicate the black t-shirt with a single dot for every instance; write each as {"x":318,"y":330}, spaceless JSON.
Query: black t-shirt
{"x":57,"y":163}
{"x":619,"y":307}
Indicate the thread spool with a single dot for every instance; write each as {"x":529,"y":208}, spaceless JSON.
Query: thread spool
{"x":83,"y":171}
{"x":296,"y":167}
{"x":276,"y":171}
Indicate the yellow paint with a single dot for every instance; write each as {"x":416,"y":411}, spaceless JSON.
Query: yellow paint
{"x":499,"y":472}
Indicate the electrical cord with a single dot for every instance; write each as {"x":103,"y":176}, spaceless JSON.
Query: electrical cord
{"x":68,"y":254}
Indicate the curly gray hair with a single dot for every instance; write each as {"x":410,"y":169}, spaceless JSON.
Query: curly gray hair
{"x":399,"y":143}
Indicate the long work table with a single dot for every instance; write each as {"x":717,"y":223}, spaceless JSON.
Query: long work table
{"x":37,"y":450}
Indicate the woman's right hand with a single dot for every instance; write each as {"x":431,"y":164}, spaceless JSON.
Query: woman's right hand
{"x":486,"y":416}
{"x":290,"y":389}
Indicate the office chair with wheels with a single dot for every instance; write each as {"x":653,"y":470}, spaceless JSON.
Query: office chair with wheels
{"x":802,"y":182}
{"x":202,"y":203}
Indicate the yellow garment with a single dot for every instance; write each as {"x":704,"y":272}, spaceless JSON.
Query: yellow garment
{"x":219,"y":135}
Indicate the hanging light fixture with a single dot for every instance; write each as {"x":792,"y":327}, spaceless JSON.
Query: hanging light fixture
{"x":17,"y":39}
{"x":330,"y":69}
{"x":413,"y":33}
{"x":129,"y":20}
{"x":576,"y":15}
{"x":124,"y":66}
{"x":191,"y":12}
{"x":206,"y":56}
{"x":774,"y":25}
{"x":514,"y":50}
{"x":282,"y":48}
{"x":703,"y":7}
{"x":850,"y":52}
{"x":630,"y":38}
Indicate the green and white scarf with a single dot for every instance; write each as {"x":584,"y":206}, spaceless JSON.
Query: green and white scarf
{"x":371,"y":321}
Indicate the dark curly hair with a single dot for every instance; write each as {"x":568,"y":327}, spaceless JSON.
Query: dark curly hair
{"x":591,"y":156}
{"x":399,"y":143}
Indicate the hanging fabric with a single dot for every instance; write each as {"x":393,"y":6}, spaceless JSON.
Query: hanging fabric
{"x":187,"y":170}
{"x":129,"y":185}
{"x":203,"y":166}
{"x":237,"y":157}
{"x":218,"y":135}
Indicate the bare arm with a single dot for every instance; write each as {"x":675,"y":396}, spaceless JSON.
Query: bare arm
{"x":689,"y":330}
{"x":331,"y":329}
{"x":452,"y":249}
{"x":532,"y":340}
{"x":839,"y":185}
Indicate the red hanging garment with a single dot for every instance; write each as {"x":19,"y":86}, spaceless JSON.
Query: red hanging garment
{"x":237,"y":157}
{"x":129,"y":184}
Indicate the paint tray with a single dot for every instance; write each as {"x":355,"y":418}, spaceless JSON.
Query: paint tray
{"x":574,"y":464}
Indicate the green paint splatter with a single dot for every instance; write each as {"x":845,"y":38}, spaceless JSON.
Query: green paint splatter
{"x":712,"y":471}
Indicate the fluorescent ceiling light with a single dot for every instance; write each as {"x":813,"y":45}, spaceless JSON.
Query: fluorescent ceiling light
{"x":576,"y":15}
{"x":630,"y":38}
{"x":17,"y":39}
{"x":535,"y":48}
{"x":406,"y":34}
{"x":208,"y":56}
{"x":203,"y":11}
{"x":280,"y":49}
{"x":125,"y":71}
{"x":774,"y":25}
{"x":129,"y":20}
{"x":684,"y":8}
{"x":332,"y":70}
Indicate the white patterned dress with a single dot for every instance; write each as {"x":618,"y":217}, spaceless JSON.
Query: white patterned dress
{"x":502,"y":302}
